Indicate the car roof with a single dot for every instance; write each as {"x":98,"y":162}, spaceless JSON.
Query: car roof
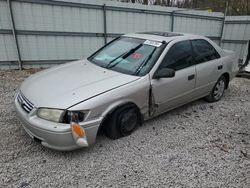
{"x":162,"y":36}
{"x":172,"y":36}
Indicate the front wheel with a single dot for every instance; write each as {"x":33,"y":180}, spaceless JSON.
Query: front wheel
{"x":122,"y":122}
{"x":218,"y":90}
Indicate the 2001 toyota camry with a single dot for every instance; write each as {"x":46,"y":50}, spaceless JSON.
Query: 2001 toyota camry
{"x":133,"y":78}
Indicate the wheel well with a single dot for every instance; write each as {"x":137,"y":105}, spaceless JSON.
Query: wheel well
{"x":226,"y":75}
{"x":108,"y":115}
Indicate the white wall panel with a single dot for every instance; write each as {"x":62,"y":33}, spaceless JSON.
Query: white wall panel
{"x":238,"y":48}
{"x":7,"y":48}
{"x":237,"y":28}
{"x":128,"y":22}
{"x":197,"y":26}
{"x":30,"y":16}
{"x":235,"y":31}
{"x":35,"y":47}
{"x":5,"y":22}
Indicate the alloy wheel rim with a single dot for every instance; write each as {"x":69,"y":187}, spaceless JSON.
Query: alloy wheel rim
{"x":219,"y":89}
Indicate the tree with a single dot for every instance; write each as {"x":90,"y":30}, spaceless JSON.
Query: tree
{"x":235,"y":7}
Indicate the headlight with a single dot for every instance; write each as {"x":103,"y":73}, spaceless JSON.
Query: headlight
{"x":54,"y":115}
{"x":61,"y":116}
{"x":75,"y":116}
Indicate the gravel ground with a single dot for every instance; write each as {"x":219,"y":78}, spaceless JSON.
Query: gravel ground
{"x":197,"y":145}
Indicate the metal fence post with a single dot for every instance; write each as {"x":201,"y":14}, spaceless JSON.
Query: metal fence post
{"x":222,"y":31}
{"x":105,"y":23}
{"x":172,"y":18}
{"x":172,"y":21}
{"x":223,"y":25}
{"x":14,"y":34}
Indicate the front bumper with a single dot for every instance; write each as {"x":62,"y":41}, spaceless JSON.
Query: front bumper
{"x":55,"y":135}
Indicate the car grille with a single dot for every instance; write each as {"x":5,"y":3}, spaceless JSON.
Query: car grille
{"x":24,"y":103}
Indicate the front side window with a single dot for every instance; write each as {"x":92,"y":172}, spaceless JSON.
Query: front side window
{"x":203,"y":51}
{"x":128,"y":55}
{"x":179,"y":56}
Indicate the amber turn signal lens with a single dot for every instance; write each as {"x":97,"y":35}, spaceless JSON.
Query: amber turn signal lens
{"x":78,"y":130}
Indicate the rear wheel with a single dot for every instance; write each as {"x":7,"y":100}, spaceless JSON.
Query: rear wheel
{"x":122,"y":122}
{"x":218,"y":90}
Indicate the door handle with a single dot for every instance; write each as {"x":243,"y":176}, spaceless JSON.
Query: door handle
{"x":220,"y":67}
{"x":190,"y":77}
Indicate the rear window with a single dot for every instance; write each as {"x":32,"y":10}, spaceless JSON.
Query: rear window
{"x":203,"y":51}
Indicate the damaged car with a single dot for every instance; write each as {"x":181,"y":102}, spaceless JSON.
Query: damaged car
{"x":133,"y":78}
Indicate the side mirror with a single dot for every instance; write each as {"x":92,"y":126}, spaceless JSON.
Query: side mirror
{"x":164,"y":73}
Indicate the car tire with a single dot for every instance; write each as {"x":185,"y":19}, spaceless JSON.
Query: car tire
{"x":122,"y":122}
{"x":218,"y":90}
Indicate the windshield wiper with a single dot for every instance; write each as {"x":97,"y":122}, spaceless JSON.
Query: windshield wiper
{"x":123,"y":56}
{"x":144,"y":62}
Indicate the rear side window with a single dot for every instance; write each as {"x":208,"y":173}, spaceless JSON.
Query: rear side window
{"x":179,"y":56}
{"x":203,"y":51}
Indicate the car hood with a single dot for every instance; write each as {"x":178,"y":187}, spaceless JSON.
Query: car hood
{"x":66,"y":85}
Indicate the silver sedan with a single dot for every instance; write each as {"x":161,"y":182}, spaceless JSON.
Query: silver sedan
{"x":131,"y":79}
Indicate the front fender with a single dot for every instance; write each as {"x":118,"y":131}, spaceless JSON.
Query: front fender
{"x":101,"y":105}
